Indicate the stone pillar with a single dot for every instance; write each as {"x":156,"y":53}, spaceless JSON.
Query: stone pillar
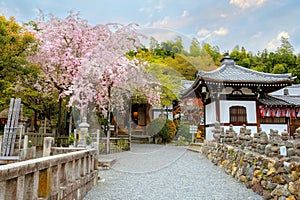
{"x":48,"y":141}
{"x":20,"y":187}
{"x":75,"y":137}
{"x":45,"y":184}
{"x":25,"y":146}
{"x":35,"y":184}
{"x":84,"y":128}
{"x":2,"y":189}
{"x":1,"y":140}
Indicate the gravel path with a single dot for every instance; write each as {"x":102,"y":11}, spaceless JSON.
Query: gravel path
{"x":166,"y":172}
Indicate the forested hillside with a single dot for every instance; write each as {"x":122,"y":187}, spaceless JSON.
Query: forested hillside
{"x":207,"y":57}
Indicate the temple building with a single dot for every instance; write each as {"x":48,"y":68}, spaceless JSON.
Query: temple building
{"x":240,"y":96}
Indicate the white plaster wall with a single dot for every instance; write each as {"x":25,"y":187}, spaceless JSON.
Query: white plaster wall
{"x":225,"y":114}
{"x":279,"y":127}
{"x":210,"y":113}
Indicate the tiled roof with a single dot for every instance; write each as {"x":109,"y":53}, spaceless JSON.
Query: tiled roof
{"x":271,"y":101}
{"x":230,"y":72}
{"x":293,"y":90}
{"x":279,"y":100}
{"x":293,"y":100}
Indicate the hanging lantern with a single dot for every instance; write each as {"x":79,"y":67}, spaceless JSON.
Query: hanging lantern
{"x":293,"y":113}
{"x":273,"y":112}
{"x":287,"y":112}
{"x":278,"y":112}
{"x":268,"y":112}
{"x":298,"y":112}
{"x":282,"y":112}
{"x":262,"y":112}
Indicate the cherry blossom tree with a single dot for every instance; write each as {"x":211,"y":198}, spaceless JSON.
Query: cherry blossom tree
{"x":62,"y":46}
{"x":108,"y":75}
{"x":86,"y":62}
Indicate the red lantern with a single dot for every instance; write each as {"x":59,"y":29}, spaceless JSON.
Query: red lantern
{"x":262,"y":112}
{"x":273,"y":112}
{"x":293,"y":113}
{"x":282,"y":113}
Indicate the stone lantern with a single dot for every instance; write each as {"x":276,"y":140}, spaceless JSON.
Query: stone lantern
{"x":83,"y":129}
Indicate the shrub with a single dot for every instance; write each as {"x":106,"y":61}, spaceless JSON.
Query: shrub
{"x":163,"y":128}
{"x":184,"y":131}
{"x":71,"y":139}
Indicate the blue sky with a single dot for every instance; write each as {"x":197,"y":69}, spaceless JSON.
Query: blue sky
{"x":254,"y":24}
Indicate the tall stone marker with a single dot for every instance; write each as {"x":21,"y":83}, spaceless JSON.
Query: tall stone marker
{"x":11,"y":127}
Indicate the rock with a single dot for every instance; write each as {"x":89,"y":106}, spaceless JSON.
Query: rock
{"x":257,"y":173}
{"x":292,"y":187}
{"x":271,"y":171}
{"x":255,"y":181}
{"x":291,"y":198}
{"x":271,"y":163}
{"x":243,"y":178}
{"x":281,"y":198}
{"x":272,"y":186}
{"x":294,"y":176}
{"x":281,"y":190}
{"x":264,"y":184}
{"x":279,"y":179}
{"x":266,"y":194}
{"x":258,"y":188}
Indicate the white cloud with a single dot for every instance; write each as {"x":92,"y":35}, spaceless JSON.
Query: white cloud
{"x":165,"y":22}
{"x":244,"y":4}
{"x":203,"y":32}
{"x":274,"y":43}
{"x":223,"y":15}
{"x":184,"y":13}
{"x":221,"y":31}
{"x":206,"y":34}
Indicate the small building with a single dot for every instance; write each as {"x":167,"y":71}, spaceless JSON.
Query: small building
{"x":239,"y":96}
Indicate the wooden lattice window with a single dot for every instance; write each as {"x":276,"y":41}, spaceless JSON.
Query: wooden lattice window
{"x":238,"y":115}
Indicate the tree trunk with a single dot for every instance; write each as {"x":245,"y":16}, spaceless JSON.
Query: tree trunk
{"x":59,"y":118}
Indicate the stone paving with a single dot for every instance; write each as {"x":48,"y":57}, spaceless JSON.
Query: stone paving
{"x":166,"y":172}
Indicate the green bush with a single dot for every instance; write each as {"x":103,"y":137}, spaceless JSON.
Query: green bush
{"x":184,"y":131}
{"x":163,"y":128}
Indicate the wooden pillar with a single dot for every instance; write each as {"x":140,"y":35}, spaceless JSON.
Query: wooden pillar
{"x":217,"y":102}
{"x":20,"y":187}
{"x":257,"y":116}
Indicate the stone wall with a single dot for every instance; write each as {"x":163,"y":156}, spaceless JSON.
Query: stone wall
{"x":271,"y":177}
{"x":64,"y":176}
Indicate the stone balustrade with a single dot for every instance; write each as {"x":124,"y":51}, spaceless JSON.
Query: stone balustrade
{"x":37,"y":139}
{"x":63,"y":176}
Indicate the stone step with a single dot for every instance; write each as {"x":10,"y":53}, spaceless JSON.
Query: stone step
{"x":195,"y":147}
{"x":106,"y":163}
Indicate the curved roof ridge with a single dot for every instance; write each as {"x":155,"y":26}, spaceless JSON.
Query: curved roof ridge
{"x":263,"y":73}
{"x":223,"y":67}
